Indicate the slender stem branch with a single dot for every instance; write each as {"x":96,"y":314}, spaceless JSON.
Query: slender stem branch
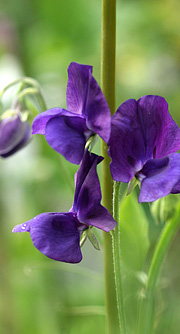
{"x":25,"y":80}
{"x":36,"y":92}
{"x":147,"y":309}
{"x":108,"y":88}
{"x":117,"y":258}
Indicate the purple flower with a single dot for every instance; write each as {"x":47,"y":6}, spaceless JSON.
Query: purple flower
{"x":56,"y":234}
{"x":143,"y":140}
{"x":67,"y":131}
{"x":14,"y":134}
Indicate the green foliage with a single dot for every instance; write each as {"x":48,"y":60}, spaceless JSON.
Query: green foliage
{"x":42,"y":38}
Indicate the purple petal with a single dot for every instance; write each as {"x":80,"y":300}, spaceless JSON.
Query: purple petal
{"x":55,"y":235}
{"x":88,"y":195}
{"x":67,"y":135}
{"x":126,"y":145}
{"x":77,"y":87}
{"x":97,"y":111}
{"x":141,"y":131}
{"x":161,"y":133}
{"x":84,"y":97}
{"x":41,"y":120}
{"x":99,"y":217}
{"x":86,"y":177}
{"x":161,"y":176}
{"x":13,"y":135}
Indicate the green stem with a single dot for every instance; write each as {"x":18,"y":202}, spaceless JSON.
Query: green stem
{"x":37,"y":93}
{"x":108,"y":88}
{"x":25,"y":80}
{"x":147,"y":308}
{"x":117,"y":258}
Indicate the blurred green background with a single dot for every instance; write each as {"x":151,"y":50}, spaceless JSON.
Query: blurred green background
{"x":39,"y":39}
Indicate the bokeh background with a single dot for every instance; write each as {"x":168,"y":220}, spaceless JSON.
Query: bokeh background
{"x":39,"y":39}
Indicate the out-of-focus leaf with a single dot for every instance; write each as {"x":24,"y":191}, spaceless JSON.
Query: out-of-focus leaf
{"x":134,"y":233}
{"x":164,"y":208}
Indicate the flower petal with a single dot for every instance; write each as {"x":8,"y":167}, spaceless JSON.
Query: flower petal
{"x":161,"y":176}
{"x":161,"y":133}
{"x":55,"y":235}
{"x":12,"y":132}
{"x":141,"y":131}
{"x":126,"y":145}
{"x":67,"y":135}
{"x":85,"y":97}
{"x":86,"y":177}
{"x":41,"y":120}
{"x":99,"y":217}
{"x":77,"y":87}
{"x":88,"y":195}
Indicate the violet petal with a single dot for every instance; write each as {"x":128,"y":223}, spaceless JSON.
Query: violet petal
{"x":77,"y":87}
{"x":55,"y":235}
{"x":161,"y":133}
{"x":88,"y":195}
{"x":99,"y":217}
{"x":161,"y":177}
{"x":126,"y":145}
{"x":87,"y":176}
{"x":84,"y":97}
{"x":41,"y":120}
{"x":67,"y":135}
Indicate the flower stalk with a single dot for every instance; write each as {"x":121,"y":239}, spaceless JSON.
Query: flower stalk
{"x":108,"y":48}
{"x":147,"y":307}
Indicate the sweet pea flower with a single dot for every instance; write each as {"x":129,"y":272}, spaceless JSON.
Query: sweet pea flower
{"x":14,"y":134}
{"x":87,"y":114}
{"x":56,"y":234}
{"x":143,"y":142}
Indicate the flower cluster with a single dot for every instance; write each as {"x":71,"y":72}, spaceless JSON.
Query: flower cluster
{"x":142,"y":139}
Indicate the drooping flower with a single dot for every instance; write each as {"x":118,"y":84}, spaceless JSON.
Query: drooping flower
{"x":56,"y":234}
{"x":67,"y":131}
{"x":14,"y":135}
{"x":143,"y":142}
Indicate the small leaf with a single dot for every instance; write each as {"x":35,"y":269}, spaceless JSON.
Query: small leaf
{"x":92,"y":239}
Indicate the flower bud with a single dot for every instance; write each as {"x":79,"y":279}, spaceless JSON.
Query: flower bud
{"x":14,"y":133}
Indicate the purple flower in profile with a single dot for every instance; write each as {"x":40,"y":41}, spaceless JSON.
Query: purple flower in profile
{"x":14,"y":134}
{"x":67,"y":131}
{"x":57,"y":235}
{"x":143,"y":142}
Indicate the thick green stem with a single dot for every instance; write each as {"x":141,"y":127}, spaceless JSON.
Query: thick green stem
{"x":147,"y":309}
{"x":117,"y":258}
{"x":108,"y":88}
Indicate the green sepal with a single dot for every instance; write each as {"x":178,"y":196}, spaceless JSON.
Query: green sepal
{"x":132,"y":184}
{"x":83,"y":238}
{"x":92,"y":238}
{"x":91,"y":142}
